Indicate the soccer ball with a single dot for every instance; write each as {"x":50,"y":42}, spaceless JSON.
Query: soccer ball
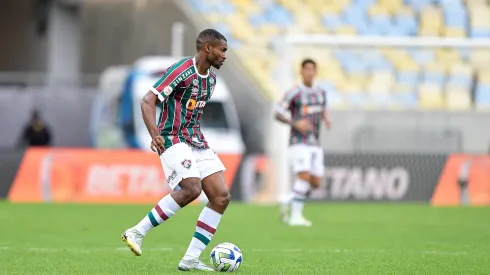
{"x":226,"y":257}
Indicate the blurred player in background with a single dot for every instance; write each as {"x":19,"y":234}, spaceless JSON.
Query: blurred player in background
{"x":188,"y":163}
{"x":303,"y":108}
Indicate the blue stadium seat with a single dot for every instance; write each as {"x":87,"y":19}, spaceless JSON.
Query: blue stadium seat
{"x":465,"y":54}
{"x":419,"y":4}
{"x":408,"y":23}
{"x":408,"y":78}
{"x":201,"y":6}
{"x":357,"y":99}
{"x":278,"y":15}
{"x":407,"y":100}
{"x":422,"y":57}
{"x":334,"y":98}
{"x":455,"y":17}
{"x":343,"y":55}
{"x":364,"y":3}
{"x":482,"y":98}
{"x":450,"y":4}
{"x":257,"y":20}
{"x":354,"y":66}
{"x":433,"y":78}
{"x":480,"y":33}
{"x":326,"y":85}
{"x":224,"y":29}
{"x":382,"y":23}
{"x":460,"y":81}
{"x":355,"y":15}
{"x":332,"y":21}
{"x":226,"y":8}
{"x":369,"y":29}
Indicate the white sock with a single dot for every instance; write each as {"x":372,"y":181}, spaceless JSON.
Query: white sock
{"x":300,"y":189}
{"x":163,"y":210}
{"x":205,"y":228}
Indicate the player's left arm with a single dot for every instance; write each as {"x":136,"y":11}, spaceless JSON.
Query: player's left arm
{"x":326,"y":116}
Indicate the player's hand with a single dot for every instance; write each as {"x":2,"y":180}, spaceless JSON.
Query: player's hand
{"x":328,"y":124}
{"x":157,"y":143}
{"x":302,"y":125}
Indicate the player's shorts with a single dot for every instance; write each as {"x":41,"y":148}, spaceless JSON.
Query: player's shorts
{"x":180,"y":161}
{"x":307,"y":158}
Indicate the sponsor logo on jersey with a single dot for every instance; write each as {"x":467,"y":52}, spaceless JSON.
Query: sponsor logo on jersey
{"x":192,"y":104}
{"x":186,"y":163}
{"x":311,"y":109}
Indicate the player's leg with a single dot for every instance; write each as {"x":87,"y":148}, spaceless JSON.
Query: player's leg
{"x":317,"y":168}
{"x":213,"y":184}
{"x":301,"y":164}
{"x":179,"y":166}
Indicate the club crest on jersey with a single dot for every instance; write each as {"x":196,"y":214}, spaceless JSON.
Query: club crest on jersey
{"x":195,"y":82}
{"x":167,"y":90}
{"x":186,"y":163}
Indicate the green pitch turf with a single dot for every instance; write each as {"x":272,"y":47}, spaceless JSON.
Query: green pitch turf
{"x":345,"y":239}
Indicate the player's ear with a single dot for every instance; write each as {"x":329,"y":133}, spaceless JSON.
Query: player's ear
{"x":207,"y":47}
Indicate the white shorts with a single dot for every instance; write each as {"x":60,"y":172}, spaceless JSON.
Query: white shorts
{"x":180,"y":161}
{"x":307,"y":158}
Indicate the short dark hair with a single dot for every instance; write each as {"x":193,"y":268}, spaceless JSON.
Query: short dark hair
{"x":207,"y":36}
{"x":308,"y":61}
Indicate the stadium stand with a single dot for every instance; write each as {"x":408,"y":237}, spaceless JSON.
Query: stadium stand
{"x":432,"y":78}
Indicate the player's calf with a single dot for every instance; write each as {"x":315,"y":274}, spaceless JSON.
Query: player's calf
{"x":161,"y":212}
{"x":215,"y":188}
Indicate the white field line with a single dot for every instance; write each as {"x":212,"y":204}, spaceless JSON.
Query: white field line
{"x":6,"y":249}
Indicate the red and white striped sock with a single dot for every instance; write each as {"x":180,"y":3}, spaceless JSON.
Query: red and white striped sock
{"x":205,"y":228}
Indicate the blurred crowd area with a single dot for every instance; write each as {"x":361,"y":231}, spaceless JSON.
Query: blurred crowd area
{"x":433,"y":77}
{"x":81,"y":65}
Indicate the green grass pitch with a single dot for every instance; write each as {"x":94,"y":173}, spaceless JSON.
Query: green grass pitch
{"x":344,"y":239}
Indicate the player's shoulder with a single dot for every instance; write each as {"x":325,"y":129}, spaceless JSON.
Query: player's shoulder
{"x":183,"y":63}
{"x":212,"y":74}
{"x":294,"y":90}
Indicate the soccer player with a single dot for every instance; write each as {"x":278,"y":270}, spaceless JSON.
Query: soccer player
{"x":188,"y":163}
{"x":306,"y":104}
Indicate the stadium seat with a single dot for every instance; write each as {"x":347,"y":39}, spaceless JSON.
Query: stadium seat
{"x":381,"y":100}
{"x":458,"y":99}
{"x":405,"y":100}
{"x":482,"y":96}
{"x":427,"y":77}
{"x":431,"y":96}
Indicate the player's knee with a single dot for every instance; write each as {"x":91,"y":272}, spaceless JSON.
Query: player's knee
{"x":191,"y":189}
{"x":221,"y":200}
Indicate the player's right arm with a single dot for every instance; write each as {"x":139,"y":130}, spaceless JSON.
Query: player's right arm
{"x":157,"y":93}
{"x":283,"y":114}
{"x":149,"y":110}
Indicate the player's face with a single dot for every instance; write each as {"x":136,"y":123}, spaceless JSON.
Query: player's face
{"x":217,"y":53}
{"x":308,"y":72}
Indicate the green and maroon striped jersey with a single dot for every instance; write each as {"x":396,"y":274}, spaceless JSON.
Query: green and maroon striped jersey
{"x":305,"y":103}
{"x":183,"y":93}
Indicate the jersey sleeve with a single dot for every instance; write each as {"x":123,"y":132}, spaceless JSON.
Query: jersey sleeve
{"x":284,"y":105}
{"x":325,"y":99}
{"x":170,"y":80}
